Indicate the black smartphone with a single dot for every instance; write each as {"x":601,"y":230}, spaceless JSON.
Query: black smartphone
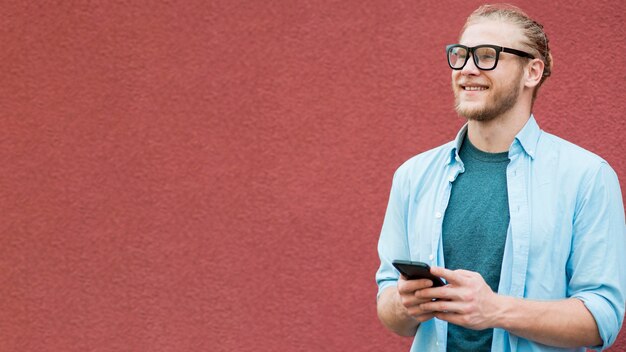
{"x":417,"y":270}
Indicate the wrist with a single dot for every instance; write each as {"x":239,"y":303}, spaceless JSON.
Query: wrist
{"x":503,"y":308}
{"x":406,"y":324}
{"x":401,"y":309}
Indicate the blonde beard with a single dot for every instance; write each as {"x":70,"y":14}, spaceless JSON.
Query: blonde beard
{"x":498,"y":104}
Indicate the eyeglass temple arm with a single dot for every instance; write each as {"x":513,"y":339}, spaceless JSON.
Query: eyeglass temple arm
{"x":518,"y":52}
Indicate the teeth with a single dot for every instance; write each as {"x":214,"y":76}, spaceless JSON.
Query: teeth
{"x":475,"y":88}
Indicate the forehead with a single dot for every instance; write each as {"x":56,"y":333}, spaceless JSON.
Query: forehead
{"x":491,"y":31}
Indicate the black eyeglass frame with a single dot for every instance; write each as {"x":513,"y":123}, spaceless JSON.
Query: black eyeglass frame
{"x":471,"y":50}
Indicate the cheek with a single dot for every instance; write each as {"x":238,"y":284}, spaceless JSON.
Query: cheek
{"x":454,"y":79}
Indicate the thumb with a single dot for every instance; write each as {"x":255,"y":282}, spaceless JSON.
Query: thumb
{"x":450,"y":276}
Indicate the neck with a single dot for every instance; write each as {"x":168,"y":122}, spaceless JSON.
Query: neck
{"x":496,"y":135}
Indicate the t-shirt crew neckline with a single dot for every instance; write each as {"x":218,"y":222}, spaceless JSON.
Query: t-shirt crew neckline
{"x":478,"y":154}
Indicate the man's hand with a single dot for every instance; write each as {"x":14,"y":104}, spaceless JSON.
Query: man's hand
{"x":408,"y":290}
{"x":467,"y":300}
{"x":399,"y":307}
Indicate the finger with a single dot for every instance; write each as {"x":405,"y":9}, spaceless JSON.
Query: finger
{"x":428,"y":294}
{"x":409,"y":300}
{"x":452,"y":277}
{"x":466,"y":273}
{"x":443,"y":306}
{"x":453,"y":318}
{"x":423,"y":317}
{"x":415,"y":311}
{"x":410,"y":286}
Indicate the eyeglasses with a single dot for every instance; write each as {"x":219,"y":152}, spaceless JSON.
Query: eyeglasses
{"x":485,"y":56}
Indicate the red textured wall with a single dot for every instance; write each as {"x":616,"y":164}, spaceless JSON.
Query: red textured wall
{"x":212,"y":176}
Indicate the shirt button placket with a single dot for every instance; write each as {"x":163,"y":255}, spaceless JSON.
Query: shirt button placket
{"x":431,"y":257}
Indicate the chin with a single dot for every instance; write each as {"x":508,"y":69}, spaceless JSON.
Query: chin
{"x":471,"y":111}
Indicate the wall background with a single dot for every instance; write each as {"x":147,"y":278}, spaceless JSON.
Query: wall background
{"x":212,"y":176}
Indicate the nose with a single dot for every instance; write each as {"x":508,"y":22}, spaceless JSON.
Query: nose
{"x":470,"y":67}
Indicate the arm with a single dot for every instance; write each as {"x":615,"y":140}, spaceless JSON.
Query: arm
{"x":468,"y":301}
{"x":563,"y":323}
{"x":393,"y":244}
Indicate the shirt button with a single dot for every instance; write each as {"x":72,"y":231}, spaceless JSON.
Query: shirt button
{"x":438,"y":215}
{"x":431,"y":257}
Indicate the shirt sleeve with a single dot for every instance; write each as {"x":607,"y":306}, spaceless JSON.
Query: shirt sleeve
{"x":597,"y":262}
{"x":393,"y":243}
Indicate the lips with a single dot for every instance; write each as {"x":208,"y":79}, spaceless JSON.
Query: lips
{"x":473,"y":87}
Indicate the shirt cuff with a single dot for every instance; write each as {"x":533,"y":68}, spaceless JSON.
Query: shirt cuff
{"x":383,"y":285}
{"x":605,"y":316}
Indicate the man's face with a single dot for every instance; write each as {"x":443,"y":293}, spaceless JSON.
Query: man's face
{"x":484,"y":95}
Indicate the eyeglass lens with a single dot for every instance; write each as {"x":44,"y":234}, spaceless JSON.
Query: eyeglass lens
{"x":484,"y":57}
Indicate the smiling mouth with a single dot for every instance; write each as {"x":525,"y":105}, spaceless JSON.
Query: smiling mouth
{"x":474,"y":88}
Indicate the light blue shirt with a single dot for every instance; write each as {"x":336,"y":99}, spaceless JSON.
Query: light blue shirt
{"x":566,"y":237}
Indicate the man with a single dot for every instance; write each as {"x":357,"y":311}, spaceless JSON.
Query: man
{"x":526,"y":229}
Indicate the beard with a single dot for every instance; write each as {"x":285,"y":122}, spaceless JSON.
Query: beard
{"x":501,"y":101}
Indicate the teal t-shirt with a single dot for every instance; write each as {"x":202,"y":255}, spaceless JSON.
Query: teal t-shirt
{"x":474,"y":230}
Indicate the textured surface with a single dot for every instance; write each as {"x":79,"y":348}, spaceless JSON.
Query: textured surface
{"x":193,"y":175}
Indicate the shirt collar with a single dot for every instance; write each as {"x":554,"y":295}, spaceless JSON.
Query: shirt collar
{"x":525,"y":141}
{"x":454,"y":152}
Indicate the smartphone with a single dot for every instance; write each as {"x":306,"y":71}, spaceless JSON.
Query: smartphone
{"x":417,"y":270}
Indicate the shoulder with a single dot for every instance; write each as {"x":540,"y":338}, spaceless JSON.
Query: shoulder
{"x":569,"y":154}
{"x":571,"y":162}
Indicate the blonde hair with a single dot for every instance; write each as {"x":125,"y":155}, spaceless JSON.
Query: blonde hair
{"x":537,"y":40}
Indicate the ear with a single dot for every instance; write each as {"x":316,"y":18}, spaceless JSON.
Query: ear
{"x":534,"y":72}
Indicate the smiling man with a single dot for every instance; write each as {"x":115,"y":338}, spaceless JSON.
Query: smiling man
{"x":526,"y":229}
